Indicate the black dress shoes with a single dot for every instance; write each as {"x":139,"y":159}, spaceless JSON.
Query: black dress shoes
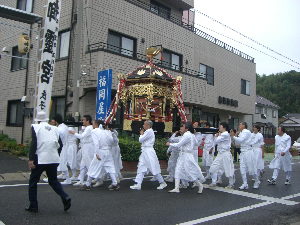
{"x":31,"y":209}
{"x":67,"y":203}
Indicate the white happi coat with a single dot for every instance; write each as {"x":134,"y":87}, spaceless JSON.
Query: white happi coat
{"x":116,"y":152}
{"x":148,"y":161}
{"x":282,"y":144}
{"x":247,"y":158}
{"x":72,"y":149}
{"x":186,"y":167}
{"x":256,"y":142}
{"x":223,"y":163}
{"x":87,"y":147}
{"x":102,"y":140}
{"x":47,"y":137}
{"x":209,"y":142}
{"x":63,"y":158}
{"x":198,"y":140}
{"x":174,"y":155}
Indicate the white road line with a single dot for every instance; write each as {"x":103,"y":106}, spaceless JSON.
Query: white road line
{"x":256,"y":196}
{"x":291,"y":196}
{"x":1,"y":223}
{"x":19,"y":185}
{"x":229,"y":213}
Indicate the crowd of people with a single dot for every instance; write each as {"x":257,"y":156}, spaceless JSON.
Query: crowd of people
{"x":54,"y":148}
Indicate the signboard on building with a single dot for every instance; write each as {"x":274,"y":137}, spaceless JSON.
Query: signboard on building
{"x":103,"y":93}
{"x":45,"y":65}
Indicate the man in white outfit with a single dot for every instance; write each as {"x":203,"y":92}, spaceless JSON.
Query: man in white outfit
{"x":103,"y":160}
{"x":148,"y":161}
{"x":208,"y":151}
{"x":247,"y":158}
{"x":223,"y":162}
{"x":186,"y":167}
{"x":116,"y":152}
{"x":173,"y":158}
{"x":198,"y":138}
{"x":282,"y":157}
{"x":87,"y":148}
{"x":257,"y":143}
{"x":63,"y":158}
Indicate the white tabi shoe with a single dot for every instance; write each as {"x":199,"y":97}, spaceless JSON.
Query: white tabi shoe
{"x":182,"y":185}
{"x":153,"y":179}
{"x":78,"y":184}
{"x":74,"y":178}
{"x":66,"y":182}
{"x":94,"y":181}
{"x":256,"y":185}
{"x":61,"y":176}
{"x":219,"y":182}
{"x":175,"y":190}
{"x":45,"y":180}
{"x":167,"y":178}
{"x":135,"y":187}
{"x":162,"y":186}
{"x":200,"y":189}
{"x":244,"y":186}
{"x":212,"y":186}
{"x":170,"y":180}
{"x":98,"y":183}
{"x":194,"y":185}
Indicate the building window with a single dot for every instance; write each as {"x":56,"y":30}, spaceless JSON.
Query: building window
{"x":264,"y":111}
{"x":274,"y":113}
{"x":25,"y":5}
{"x":207,"y":72}
{"x":171,"y":60}
{"x":57,"y":107}
{"x":257,"y":109}
{"x":121,"y":44}
{"x":14,"y":113}
{"x":62,"y":49}
{"x":160,"y":9}
{"x":245,"y":87}
{"x":18,"y":62}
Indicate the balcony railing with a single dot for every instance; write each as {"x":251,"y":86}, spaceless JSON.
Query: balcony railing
{"x":101,"y":46}
{"x":169,"y":16}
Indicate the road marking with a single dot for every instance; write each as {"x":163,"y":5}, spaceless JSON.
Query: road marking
{"x":291,"y":196}
{"x":229,"y":213}
{"x":256,"y":196}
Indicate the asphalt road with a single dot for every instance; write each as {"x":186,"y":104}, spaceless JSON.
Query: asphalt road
{"x":278,"y":204}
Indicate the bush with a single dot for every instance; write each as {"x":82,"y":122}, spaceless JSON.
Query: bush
{"x":3,"y":140}
{"x":131,"y":148}
{"x":12,"y":144}
{"x":269,"y":149}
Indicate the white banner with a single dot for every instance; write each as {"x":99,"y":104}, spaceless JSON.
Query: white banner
{"x":45,"y":70}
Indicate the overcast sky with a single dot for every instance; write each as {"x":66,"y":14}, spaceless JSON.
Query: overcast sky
{"x":273,"y":23}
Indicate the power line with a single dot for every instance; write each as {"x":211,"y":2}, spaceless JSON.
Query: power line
{"x":247,"y":46}
{"x":196,"y":10}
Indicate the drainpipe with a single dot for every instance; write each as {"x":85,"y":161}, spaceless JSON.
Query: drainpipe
{"x":67,"y":78}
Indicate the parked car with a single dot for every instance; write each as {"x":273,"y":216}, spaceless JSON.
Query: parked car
{"x":296,"y":144}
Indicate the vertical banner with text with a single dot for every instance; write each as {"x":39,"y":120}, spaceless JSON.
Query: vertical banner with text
{"x":45,"y":65}
{"x":103,"y":93}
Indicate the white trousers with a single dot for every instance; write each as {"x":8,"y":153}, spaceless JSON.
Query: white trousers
{"x":82,"y":174}
{"x":287,"y":174}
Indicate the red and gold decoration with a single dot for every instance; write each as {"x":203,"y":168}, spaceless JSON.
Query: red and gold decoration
{"x":148,"y":92}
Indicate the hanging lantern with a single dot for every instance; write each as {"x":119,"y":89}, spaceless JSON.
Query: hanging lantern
{"x":24,"y":43}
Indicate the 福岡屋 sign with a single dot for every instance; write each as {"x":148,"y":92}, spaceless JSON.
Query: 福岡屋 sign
{"x":103,"y":100}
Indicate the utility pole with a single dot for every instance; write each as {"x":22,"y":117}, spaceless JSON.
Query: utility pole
{"x":77,"y":69}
